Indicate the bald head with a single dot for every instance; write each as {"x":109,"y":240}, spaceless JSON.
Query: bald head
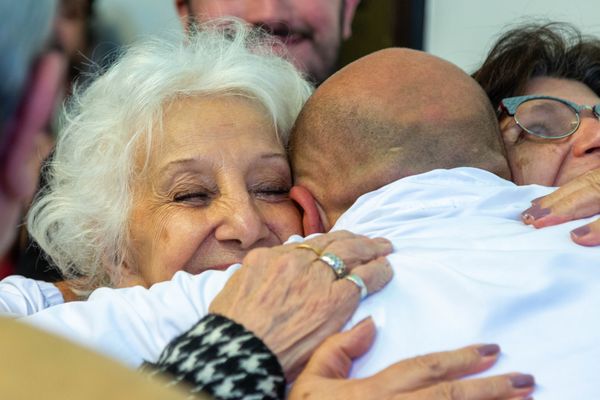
{"x":391,"y":114}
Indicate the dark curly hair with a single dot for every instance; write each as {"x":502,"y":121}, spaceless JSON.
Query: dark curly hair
{"x":557,"y":50}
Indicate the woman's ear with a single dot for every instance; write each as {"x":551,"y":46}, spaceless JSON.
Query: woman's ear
{"x":124,"y":273}
{"x":311,"y":219}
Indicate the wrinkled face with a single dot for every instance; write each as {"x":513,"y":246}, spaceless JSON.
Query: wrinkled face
{"x":554,"y":162}
{"x":216,"y":186}
{"x":312,"y":30}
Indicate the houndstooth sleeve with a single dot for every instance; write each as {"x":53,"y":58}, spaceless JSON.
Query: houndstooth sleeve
{"x":220,"y":357}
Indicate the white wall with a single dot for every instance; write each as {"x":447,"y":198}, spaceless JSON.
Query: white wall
{"x":462,"y":31}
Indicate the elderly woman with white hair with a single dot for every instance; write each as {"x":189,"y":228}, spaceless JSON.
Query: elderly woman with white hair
{"x":174,"y":160}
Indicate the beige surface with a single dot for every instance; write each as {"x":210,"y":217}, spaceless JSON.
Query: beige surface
{"x":36,"y":365}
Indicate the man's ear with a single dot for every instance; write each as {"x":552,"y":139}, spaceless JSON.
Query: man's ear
{"x":348,"y":17}
{"x":311,"y":219}
{"x":35,"y":110}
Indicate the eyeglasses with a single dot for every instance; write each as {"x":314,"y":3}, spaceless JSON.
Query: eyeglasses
{"x":546,"y":116}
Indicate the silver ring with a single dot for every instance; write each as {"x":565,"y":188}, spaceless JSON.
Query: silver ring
{"x":336,"y":264}
{"x":357,"y":280}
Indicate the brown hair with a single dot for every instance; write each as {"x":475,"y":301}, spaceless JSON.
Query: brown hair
{"x":557,"y":50}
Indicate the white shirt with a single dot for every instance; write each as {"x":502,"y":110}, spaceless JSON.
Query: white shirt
{"x":20,"y":296}
{"x":466,"y":271}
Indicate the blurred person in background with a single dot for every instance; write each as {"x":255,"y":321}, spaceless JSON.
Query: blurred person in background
{"x":73,"y":27}
{"x":33,"y":70}
{"x":88,"y":46}
{"x":311,"y":30}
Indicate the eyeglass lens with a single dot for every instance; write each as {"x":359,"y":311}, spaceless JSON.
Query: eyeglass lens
{"x":547,"y":118}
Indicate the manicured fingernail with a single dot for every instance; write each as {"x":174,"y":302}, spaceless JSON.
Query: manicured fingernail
{"x":535,"y":212}
{"x":488,"y":350}
{"x":522,"y":381}
{"x":581,"y":231}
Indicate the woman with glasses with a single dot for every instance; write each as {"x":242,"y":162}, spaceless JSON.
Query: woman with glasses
{"x":544,"y":80}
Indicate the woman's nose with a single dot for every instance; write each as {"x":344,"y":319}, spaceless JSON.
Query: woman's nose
{"x":586,"y":140}
{"x":242,"y":222}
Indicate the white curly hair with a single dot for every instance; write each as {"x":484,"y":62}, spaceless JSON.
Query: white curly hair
{"x":80,"y":219}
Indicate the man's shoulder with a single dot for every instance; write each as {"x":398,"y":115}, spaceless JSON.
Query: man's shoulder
{"x":437,"y":193}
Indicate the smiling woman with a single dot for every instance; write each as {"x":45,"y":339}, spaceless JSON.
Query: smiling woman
{"x":173,"y":160}
{"x":215,"y":189}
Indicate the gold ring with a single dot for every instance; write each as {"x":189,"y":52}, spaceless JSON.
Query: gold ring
{"x":309,"y":247}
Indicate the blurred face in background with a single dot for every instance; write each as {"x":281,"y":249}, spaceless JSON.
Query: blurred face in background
{"x":312,"y":30}
{"x":71,"y":27}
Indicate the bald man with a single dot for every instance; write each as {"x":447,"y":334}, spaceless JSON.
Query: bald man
{"x":416,"y":114}
{"x":466,"y":269}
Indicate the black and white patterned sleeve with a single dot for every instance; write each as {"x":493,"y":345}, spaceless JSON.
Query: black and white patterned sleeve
{"x":220,"y":357}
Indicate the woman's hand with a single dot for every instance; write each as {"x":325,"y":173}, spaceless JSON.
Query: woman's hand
{"x":292,"y":300}
{"x":578,"y":199}
{"x":433,"y":376}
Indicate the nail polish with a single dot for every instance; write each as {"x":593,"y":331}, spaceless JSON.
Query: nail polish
{"x":581,"y":231}
{"x":488,"y":350}
{"x":535,"y":212}
{"x":522,"y":381}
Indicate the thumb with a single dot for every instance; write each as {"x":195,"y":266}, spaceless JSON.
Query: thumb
{"x":333,"y":358}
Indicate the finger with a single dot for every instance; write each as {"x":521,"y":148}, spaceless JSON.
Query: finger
{"x":318,"y":243}
{"x":322,"y":241}
{"x":333,"y":359}
{"x":587,"y":235}
{"x":578,"y":198}
{"x":564,"y":191}
{"x":375,"y":274}
{"x":494,"y":388}
{"x":423,"y":371}
{"x":590,"y":181}
{"x":359,"y":250}
{"x":579,"y":204}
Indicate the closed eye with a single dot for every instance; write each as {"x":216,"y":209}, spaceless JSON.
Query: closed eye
{"x":192,"y":197}
{"x":276,"y":193}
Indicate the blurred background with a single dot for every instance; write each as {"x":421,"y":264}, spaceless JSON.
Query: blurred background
{"x":460,"y":31}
